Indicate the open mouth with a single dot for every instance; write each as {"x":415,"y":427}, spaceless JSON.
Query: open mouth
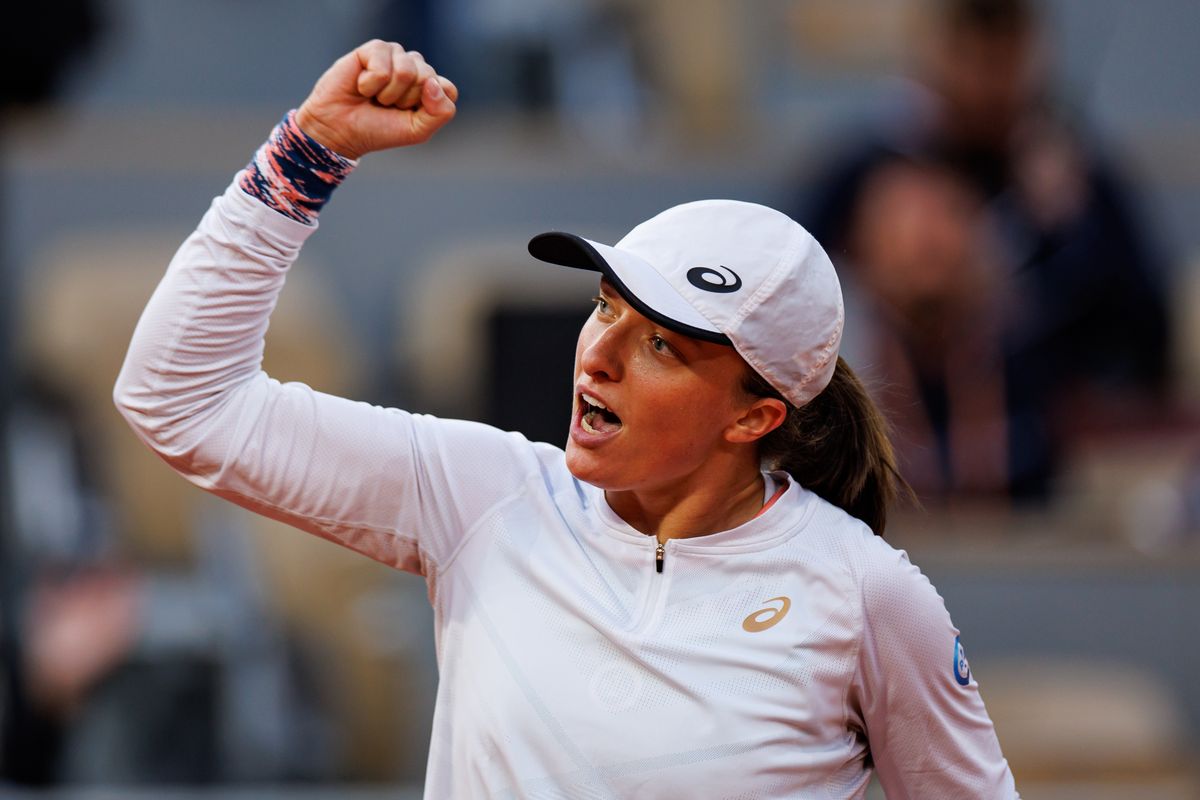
{"x":596,"y":417}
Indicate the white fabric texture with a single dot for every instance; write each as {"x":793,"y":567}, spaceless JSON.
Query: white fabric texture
{"x":569,"y":668}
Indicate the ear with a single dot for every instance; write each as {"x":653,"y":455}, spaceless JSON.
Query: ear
{"x":764,"y":415}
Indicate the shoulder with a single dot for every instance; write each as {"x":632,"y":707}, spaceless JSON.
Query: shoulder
{"x":828,"y":531}
{"x":884,"y":575}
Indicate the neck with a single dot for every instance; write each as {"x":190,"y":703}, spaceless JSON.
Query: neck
{"x":694,"y":506}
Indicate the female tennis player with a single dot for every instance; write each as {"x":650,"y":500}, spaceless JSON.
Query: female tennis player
{"x":689,"y":601}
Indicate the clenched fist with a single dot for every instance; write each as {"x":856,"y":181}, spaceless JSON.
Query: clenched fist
{"x":376,"y":97}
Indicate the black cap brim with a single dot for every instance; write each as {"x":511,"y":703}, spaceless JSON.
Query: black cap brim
{"x":569,"y":250}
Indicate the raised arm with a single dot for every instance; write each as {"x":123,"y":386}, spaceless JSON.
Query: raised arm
{"x":384,"y":482}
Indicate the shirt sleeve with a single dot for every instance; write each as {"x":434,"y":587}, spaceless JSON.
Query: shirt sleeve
{"x":402,"y":488}
{"x":928,"y":732}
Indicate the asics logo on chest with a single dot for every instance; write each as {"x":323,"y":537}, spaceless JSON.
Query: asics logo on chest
{"x":768,"y":616}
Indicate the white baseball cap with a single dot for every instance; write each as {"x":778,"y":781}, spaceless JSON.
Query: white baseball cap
{"x":730,"y":272}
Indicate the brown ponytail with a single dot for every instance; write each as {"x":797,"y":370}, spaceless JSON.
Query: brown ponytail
{"x":836,"y":446}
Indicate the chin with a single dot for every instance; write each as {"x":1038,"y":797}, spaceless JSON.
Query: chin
{"x":581,"y":465}
{"x":587,"y":467}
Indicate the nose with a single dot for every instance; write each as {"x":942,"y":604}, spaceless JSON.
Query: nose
{"x":600,"y":351}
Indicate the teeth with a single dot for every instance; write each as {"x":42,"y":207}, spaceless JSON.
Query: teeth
{"x":591,"y":401}
{"x":587,"y":427}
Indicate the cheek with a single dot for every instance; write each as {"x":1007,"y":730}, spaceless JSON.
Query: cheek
{"x":687,"y":415}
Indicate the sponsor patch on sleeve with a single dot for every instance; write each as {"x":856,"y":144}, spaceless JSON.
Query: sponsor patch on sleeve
{"x":962,"y":670}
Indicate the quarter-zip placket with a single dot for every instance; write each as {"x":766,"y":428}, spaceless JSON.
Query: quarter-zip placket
{"x":653,"y":594}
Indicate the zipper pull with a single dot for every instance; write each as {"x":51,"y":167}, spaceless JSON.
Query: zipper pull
{"x":660,"y":554}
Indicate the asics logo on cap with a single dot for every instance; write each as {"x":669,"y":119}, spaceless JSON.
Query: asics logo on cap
{"x":767,"y":617}
{"x":714,"y":280}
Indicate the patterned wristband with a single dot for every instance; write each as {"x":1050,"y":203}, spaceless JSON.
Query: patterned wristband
{"x":293,"y":173}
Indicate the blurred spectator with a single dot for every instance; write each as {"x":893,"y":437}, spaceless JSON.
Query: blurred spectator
{"x":76,"y":607}
{"x":934,"y":324}
{"x":52,"y":38}
{"x":151,"y":639}
{"x":1081,"y":318}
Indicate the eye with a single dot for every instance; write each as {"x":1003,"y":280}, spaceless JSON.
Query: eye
{"x":601,"y":304}
{"x":661,"y":345}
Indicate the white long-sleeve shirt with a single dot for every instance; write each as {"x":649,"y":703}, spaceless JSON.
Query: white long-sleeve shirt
{"x":784,"y":658}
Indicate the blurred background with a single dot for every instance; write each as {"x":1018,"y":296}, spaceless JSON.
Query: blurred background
{"x":1009,"y":188}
